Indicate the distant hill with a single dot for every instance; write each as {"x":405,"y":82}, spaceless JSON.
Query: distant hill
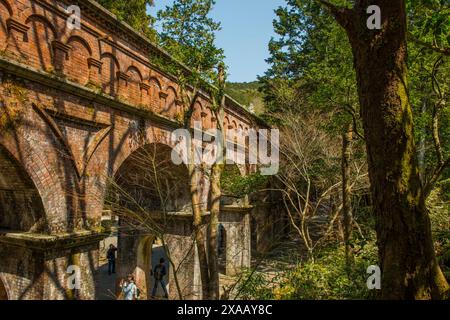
{"x":247,"y":93}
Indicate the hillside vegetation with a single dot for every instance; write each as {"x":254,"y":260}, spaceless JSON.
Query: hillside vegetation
{"x":248,"y":94}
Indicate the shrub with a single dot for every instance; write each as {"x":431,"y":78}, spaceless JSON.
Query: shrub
{"x":325,"y":278}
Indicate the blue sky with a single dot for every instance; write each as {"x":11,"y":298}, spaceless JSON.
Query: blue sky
{"x":246,"y":31}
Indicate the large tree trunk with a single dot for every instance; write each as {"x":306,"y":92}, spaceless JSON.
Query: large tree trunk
{"x":406,"y":253}
{"x":216,"y":191}
{"x":347,"y":218}
{"x":216,"y":173}
{"x":199,"y":233}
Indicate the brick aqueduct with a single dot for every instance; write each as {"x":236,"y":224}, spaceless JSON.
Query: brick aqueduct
{"x":71,"y":105}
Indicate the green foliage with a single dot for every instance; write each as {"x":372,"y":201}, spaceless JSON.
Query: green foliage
{"x":248,"y":94}
{"x":235,"y":185}
{"x":311,"y":65}
{"x":425,"y":101}
{"x":429,"y":21}
{"x":325,"y":278}
{"x":13,"y":98}
{"x":133,"y":12}
{"x":188,"y":33}
{"x":439,"y":206}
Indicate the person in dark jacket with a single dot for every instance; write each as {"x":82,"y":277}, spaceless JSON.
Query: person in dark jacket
{"x":158,"y":273}
{"x":111,"y":256}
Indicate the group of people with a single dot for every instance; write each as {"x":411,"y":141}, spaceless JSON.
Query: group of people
{"x":129,"y":289}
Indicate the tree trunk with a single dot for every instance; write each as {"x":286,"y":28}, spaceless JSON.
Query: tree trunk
{"x":406,"y":254}
{"x":216,"y":173}
{"x":199,"y":234}
{"x":347,"y":218}
{"x":216,"y":192}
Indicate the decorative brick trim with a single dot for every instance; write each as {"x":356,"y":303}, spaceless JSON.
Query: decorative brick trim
{"x":56,"y":44}
{"x":49,"y":243}
{"x":163,"y":95}
{"x":13,"y":24}
{"x":123,"y":76}
{"x":67,"y":86}
{"x":144,"y":86}
{"x":94,"y":63}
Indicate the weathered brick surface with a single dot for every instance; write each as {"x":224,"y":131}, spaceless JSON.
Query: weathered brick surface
{"x":67,"y":123}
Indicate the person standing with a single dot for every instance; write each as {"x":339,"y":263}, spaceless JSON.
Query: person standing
{"x":129,"y":288}
{"x":158,"y":273}
{"x":111,"y":256}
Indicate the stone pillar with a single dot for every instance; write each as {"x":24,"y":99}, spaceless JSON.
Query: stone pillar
{"x":236,"y":221}
{"x":16,"y":38}
{"x":180,"y":242}
{"x":264,"y":236}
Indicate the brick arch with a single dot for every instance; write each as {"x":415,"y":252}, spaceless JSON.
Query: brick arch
{"x":77,"y":66}
{"x":4,"y":289}
{"x":156,"y":81}
{"x":155,"y":89}
{"x":45,"y":20}
{"x":40,"y":37}
{"x":133,"y":91}
{"x":207,"y":118}
{"x":141,"y":158}
{"x":110,"y":68}
{"x":21,"y":205}
{"x":135,"y":69}
{"x":8,"y":7}
{"x":226,"y":123}
{"x":170,"y":108}
{"x":197,"y":113}
{"x":79,"y":38}
{"x":153,"y":136}
{"x":137,"y":191}
{"x":5,"y":13}
{"x":66,"y":35}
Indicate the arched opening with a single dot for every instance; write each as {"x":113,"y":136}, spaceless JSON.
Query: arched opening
{"x":151,"y":250}
{"x":3,"y":292}
{"x":159,"y":257}
{"x":147,"y":193}
{"x":5,"y":13}
{"x":21,"y":208}
{"x":21,"y":211}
